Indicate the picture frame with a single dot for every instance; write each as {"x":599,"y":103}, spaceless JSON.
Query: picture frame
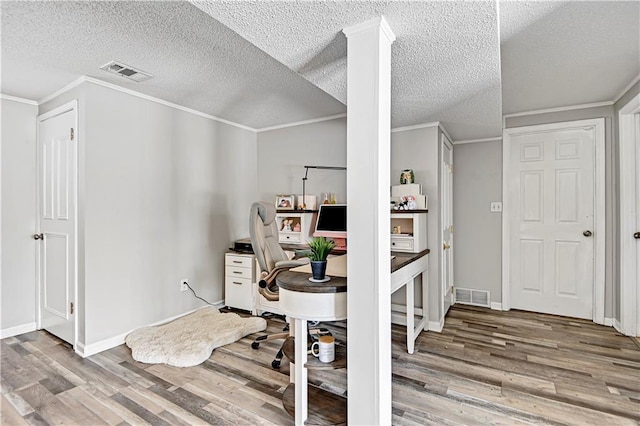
{"x":285,"y":202}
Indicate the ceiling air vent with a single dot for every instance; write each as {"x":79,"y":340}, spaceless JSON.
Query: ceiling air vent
{"x":126,"y":71}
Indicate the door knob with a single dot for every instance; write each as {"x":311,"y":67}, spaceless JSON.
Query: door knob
{"x":38,"y":237}
{"x":445,"y":246}
{"x":636,"y":235}
{"x":587,"y":233}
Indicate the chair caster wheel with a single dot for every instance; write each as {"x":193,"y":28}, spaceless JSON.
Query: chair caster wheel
{"x":255,"y":345}
{"x":275,"y":364}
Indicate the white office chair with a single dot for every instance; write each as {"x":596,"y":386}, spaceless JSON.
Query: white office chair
{"x":272,"y":260}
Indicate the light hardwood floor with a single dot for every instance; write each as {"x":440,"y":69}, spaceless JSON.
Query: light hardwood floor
{"x":486,"y":367}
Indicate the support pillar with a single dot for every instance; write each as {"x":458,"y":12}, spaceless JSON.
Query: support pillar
{"x":368,"y":218}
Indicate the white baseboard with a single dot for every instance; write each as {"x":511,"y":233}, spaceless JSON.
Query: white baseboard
{"x":18,"y":329}
{"x":436,"y":326}
{"x":496,"y":306}
{"x":608,"y":322}
{"x":111,"y":342}
{"x":616,"y":324}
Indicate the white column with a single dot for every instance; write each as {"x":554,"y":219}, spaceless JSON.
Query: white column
{"x":368,"y":217}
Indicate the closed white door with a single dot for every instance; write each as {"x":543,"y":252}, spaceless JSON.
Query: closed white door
{"x":636,"y":234}
{"x":57,"y":167}
{"x":551,"y":194}
{"x":446,"y":266}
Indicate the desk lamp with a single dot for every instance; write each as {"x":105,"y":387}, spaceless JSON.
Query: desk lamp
{"x":304,"y":181}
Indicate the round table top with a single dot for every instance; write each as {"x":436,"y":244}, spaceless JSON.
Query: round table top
{"x":298,"y":281}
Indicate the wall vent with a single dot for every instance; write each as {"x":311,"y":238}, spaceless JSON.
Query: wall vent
{"x":469,"y":296}
{"x":126,"y":71}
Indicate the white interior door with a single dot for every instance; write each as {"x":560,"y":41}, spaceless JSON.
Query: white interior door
{"x":57,"y":167}
{"x":551,"y":194}
{"x":446,"y":266}
{"x":636,"y":234}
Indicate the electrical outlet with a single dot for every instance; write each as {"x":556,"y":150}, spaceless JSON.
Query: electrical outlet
{"x":496,"y":206}
{"x":183,"y":284}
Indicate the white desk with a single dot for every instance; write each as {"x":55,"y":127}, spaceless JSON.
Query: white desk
{"x":304,"y":301}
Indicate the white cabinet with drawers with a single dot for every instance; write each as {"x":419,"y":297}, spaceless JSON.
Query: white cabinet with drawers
{"x":295,"y":227}
{"x":238,"y":281}
{"x":408,"y":231}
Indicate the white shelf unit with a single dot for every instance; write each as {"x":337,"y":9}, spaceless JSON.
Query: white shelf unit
{"x":413,"y":238}
{"x":240,"y":271}
{"x":306,"y":220}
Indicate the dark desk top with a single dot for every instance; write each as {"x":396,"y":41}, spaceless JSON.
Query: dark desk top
{"x":298,"y":281}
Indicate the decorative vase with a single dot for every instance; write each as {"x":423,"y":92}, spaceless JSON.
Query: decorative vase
{"x":318,"y":269}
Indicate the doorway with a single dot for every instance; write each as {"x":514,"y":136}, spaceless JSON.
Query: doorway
{"x":57,"y":158}
{"x":553,"y":219}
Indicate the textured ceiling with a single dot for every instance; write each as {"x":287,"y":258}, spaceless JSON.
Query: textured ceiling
{"x":197,"y":62}
{"x":265,"y":63}
{"x":567,"y":53}
{"x":445,"y":60}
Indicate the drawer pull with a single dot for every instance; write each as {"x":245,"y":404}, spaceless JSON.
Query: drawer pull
{"x":237,"y":272}
{"x":236,"y":282}
{"x":237,"y":261}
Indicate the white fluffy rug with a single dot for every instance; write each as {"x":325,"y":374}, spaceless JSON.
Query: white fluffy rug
{"x":189,"y":340}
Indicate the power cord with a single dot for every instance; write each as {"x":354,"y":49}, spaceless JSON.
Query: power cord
{"x":194,"y":293}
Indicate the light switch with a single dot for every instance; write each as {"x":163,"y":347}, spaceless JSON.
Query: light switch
{"x":496,"y":206}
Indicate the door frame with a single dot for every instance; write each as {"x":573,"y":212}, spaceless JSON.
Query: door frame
{"x":599,"y":206}
{"x":69,"y":106}
{"x":444,"y":140}
{"x":629,"y":293}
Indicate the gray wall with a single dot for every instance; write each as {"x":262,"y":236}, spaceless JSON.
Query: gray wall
{"x":477,"y":180}
{"x":18,"y":207}
{"x":630,"y":94}
{"x":163,"y":194}
{"x":282,"y":153}
{"x":611,"y":189}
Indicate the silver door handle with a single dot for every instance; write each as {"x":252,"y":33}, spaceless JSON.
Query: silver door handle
{"x":587,"y":233}
{"x":38,"y":237}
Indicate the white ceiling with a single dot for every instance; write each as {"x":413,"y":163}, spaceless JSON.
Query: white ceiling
{"x":265,"y":63}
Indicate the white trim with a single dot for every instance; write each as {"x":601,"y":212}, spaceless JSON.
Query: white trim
{"x":300,"y":123}
{"x":626,"y":89}
{"x":558,"y":109}
{"x":617,"y":326}
{"x":17,"y":99}
{"x":496,"y":138}
{"x":112,"y":86}
{"x":416,"y":126}
{"x":496,"y":306}
{"x":608,"y":322}
{"x":378,"y":23}
{"x":599,"y":208}
{"x":62,"y":90}
{"x":436,"y":326}
{"x":629,"y":294}
{"x":111,"y":342}
{"x":17,"y":330}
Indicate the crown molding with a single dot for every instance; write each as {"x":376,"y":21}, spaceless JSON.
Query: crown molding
{"x":372,"y":24}
{"x":86,"y":79}
{"x":415,"y":126}
{"x":17,"y":99}
{"x":496,"y":138}
{"x":558,"y":109}
{"x":626,"y":89}
{"x":300,"y":123}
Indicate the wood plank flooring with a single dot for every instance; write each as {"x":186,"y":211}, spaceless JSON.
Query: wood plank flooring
{"x":486,"y":367}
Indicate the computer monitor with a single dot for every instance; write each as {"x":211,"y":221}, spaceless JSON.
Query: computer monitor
{"x":332,"y":223}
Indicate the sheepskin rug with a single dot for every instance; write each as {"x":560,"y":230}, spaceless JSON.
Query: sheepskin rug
{"x":189,"y":340}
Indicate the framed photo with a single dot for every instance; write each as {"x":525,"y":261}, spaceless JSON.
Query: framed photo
{"x":285,"y":202}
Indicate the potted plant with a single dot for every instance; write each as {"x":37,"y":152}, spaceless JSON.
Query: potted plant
{"x":319,"y":249}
